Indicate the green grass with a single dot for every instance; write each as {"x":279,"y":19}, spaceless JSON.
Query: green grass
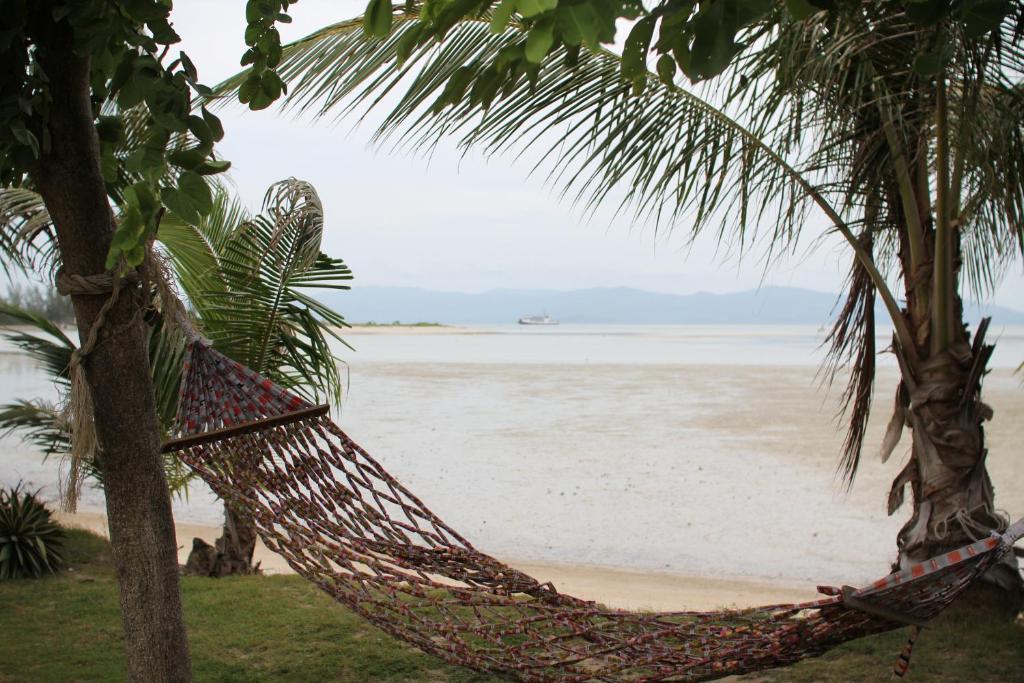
{"x":244,"y":629}
{"x":280,"y":628}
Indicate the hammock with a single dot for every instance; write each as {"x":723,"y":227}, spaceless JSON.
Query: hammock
{"x":341,"y":521}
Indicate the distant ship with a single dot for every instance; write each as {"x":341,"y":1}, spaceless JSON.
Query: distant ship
{"x":537,"y":320}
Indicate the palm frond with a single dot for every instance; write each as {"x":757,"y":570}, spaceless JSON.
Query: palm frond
{"x":26,"y":232}
{"x":39,"y":423}
{"x":246,"y":280}
{"x":851,"y":347}
{"x":666,"y":154}
{"x":52,"y":348}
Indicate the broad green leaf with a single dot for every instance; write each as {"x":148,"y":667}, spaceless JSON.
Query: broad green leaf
{"x":407,"y":43}
{"x":191,"y":199}
{"x":580,"y":24}
{"x":540,"y":40}
{"x":932,"y":63}
{"x":212,"y":167}
{"x":801,"y":9}
{"x":983,"y":16}
{"x":926,"y":12}
{"x":377,"y":18}
{"x":634,"y":53}
{"x":531,"y":8}
{"x":666,"y":69}
{"x":214,"y":123}
{"x":714,"y":43}
{"x":502,"y":15}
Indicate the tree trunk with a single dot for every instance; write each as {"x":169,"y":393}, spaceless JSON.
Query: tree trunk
{"x":138,"y":503}
{"x":953,"y":498}
{"x":232,"y":553}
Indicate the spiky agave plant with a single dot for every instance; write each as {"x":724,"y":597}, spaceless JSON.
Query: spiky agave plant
{"x":31,"y":542}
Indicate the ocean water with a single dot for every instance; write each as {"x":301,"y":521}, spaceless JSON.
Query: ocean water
{"x":689,"y":449}
{"x":633,"y":344}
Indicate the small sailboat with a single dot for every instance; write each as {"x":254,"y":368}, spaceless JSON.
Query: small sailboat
{"x":537,"y":320}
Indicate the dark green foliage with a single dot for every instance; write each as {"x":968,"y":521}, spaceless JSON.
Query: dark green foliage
{"x":701,"y":39}
{"x":127,"y":43}
{"x":31,"y":543}
{"x":247,"y":279}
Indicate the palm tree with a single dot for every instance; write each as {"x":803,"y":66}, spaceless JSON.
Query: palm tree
{"x":907,"y":136}
{"x":245,"y":280}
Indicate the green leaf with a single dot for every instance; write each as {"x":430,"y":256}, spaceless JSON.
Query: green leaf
{"x":187,"y":158}
{"x":580,"y":24}
{"x":531,"y":8}
{"x":502,"y":15}
{"x":932,"y":63}
{"x":983,"y":16}
{"x":666,"y":69}
{"x":634,"y":53}
{"x":714,"y":43}
{"x":213,"y":167}
{"x":801,"y":9}
{"x":540,"y":40}
{"x":455,"y":88}
{"x":214,"y":123}
{"x":407,"y":43}
{"x":926,"y":12}
{"x":249,"y":88}
{"x":110,"y":129}
{"x":191,"y":199}
{"x":199,"y":128}
{"x":377,"y":18}
{"x":190,"y":68}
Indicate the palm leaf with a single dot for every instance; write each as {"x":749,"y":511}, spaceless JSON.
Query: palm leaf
{"x":666,"y":154}
{"x":247,"y":280}
{"x":26,"y":233}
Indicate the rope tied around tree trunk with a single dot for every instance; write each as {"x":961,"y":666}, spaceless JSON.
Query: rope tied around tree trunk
{"x":78,"y":410}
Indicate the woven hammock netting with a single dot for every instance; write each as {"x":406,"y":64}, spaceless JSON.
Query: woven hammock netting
{"x":341,"y":521}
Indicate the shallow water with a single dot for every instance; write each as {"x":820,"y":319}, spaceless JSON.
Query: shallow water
{"x":690,"y":450}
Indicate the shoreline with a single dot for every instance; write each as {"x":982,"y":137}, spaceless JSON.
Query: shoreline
{"x":618,"y":588}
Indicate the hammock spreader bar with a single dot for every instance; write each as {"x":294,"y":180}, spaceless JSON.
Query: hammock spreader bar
{"x":343,"y":522}
{"x":247,"y":427}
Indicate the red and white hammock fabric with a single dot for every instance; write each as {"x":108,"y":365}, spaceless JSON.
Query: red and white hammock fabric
{"x":341,"y":521}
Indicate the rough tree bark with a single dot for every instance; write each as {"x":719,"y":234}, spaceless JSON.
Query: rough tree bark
{"x":138,"y":502}
{"x":232,"y":553}
{"x":952,"y":496}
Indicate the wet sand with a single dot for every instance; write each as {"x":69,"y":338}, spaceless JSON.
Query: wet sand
{"x":618,"y":588}
{"x":645,"y":471}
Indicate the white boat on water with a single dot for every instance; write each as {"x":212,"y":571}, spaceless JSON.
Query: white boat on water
{"x":537,"y":320}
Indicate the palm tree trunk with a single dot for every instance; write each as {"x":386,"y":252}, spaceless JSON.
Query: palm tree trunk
{"x":952,"y":495}
{"x":232,"y":553}
{"x":237,"y":542}
{"x":138,"y":503}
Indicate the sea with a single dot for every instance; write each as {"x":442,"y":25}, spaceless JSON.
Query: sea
{"x":695,"y":450}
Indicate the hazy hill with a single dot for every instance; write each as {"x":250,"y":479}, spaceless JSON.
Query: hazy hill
{"x":612,"y":305}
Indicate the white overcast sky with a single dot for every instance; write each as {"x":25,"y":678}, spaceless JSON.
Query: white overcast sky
{"x":464,"y":224}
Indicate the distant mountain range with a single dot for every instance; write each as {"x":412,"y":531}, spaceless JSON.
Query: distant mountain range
{"x":605,"y":305}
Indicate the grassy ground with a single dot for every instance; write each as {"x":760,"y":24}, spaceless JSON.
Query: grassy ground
{"x":67,"y":628}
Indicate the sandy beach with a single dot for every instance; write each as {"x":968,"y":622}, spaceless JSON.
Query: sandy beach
{"x":619,"y":588}
{"x":641,"y":467}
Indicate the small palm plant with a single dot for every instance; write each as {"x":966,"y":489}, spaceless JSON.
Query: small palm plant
{"x":31,"y":543}
{"x":247,"y":281}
